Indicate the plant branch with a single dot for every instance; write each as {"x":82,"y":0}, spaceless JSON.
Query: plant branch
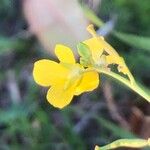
{"x":135,"y":87}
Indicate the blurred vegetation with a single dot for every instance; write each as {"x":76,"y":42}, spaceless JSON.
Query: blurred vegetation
{"x":27,"y":121}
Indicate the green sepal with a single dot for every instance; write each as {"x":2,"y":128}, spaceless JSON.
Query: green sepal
{"x":83,"y":50}
{"x":85,"y":53}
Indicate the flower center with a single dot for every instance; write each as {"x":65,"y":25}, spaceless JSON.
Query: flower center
{"x":73,"y":78}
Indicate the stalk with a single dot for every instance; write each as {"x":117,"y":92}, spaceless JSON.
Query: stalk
{"x":134,"y":86}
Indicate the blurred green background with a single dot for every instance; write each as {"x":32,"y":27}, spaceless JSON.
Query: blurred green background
{"x":27,"y":121}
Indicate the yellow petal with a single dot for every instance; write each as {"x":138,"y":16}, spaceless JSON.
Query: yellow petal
{"x":96,"y":47}
{"x":122,"y":67}
{"x":47,"y":72}
{"x":89,"y":82}
{"x":58,"y":97}
{"x":64,"y":54}
{"x":111,"y":59}
{"x":101,"y":43}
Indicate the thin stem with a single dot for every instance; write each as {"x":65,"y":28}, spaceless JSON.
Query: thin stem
{"x":133,"y":86}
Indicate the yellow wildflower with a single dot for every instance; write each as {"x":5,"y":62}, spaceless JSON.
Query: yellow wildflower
{"x":66,"y":78}
{"x":105,"y":54}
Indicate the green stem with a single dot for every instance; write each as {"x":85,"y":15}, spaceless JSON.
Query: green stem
{"x":133,"y":86}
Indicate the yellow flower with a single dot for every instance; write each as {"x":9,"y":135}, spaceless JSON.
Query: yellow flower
{"x":104,"y":54}
{"x":66,"y":78}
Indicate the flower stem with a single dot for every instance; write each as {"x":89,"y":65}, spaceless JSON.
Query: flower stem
{"x":135,"y":87}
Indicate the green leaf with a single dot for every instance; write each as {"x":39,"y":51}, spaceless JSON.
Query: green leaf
{"x":92,"y":16}
{"x":139,"y":42}
{"x":116,"y":130}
